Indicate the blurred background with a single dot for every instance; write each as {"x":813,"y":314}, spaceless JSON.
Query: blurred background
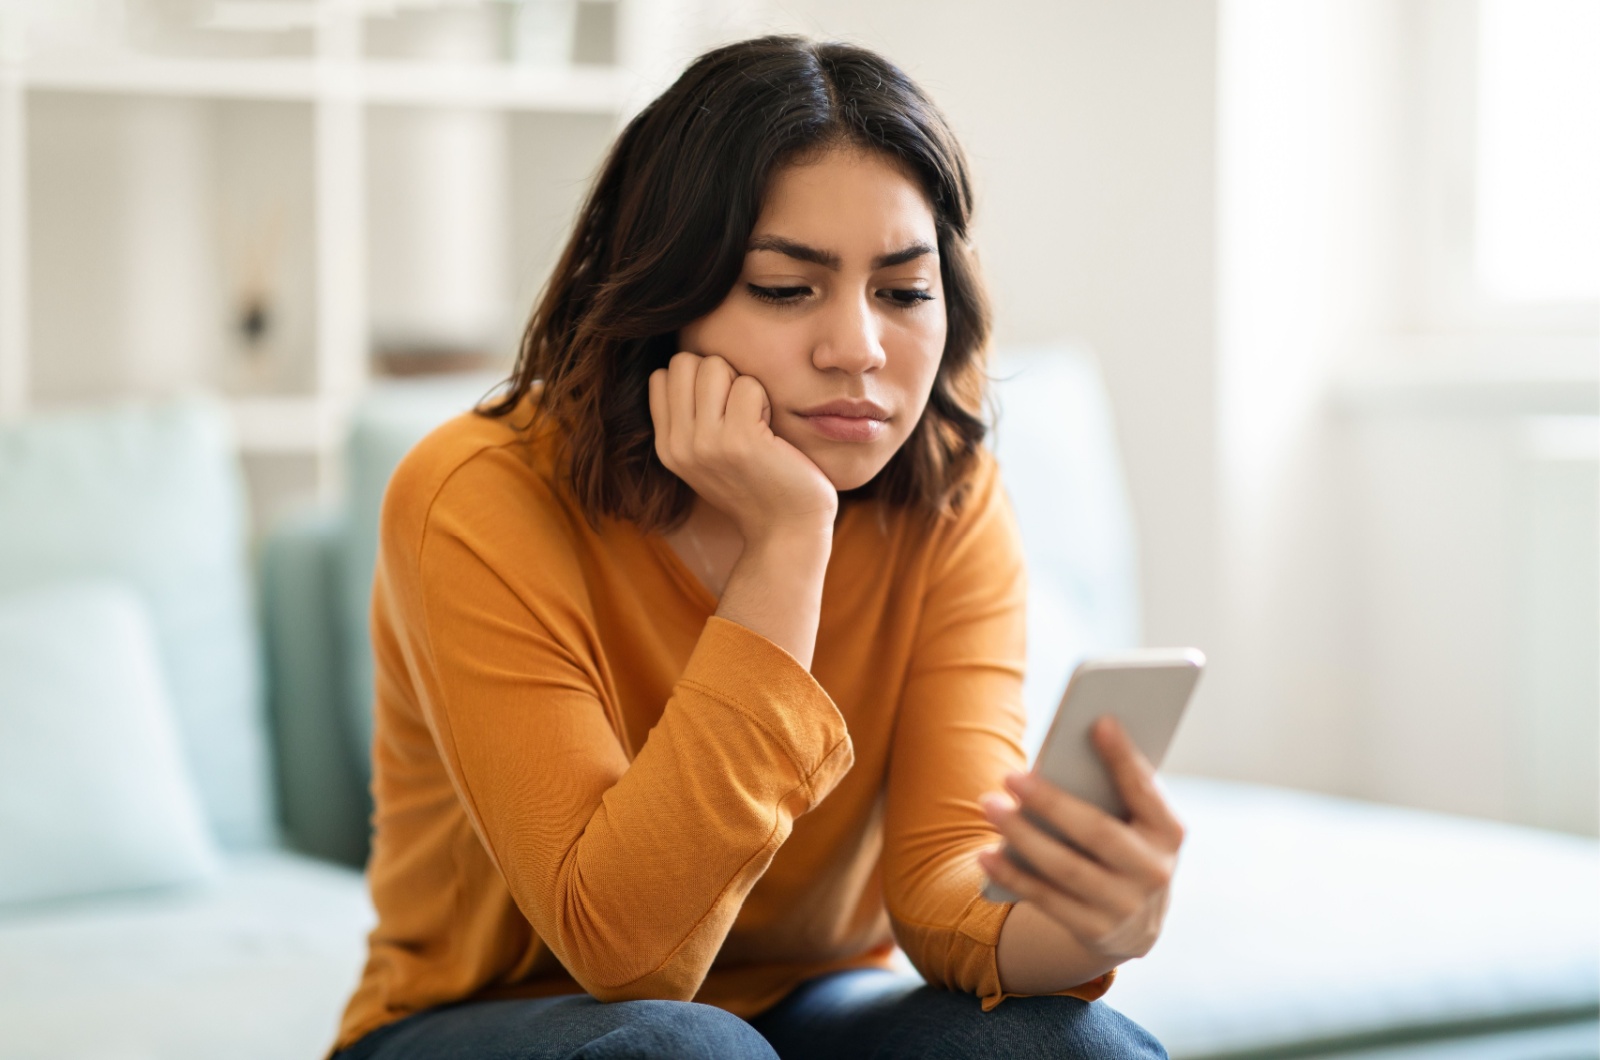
{"x":1298,"y":331}
{"x":1338,"y":260}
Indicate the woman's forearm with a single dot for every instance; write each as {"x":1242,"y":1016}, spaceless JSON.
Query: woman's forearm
{"x":775,"y":589}
{"x":1036,"y":955}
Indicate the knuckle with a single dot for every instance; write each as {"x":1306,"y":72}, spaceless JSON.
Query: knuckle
{"x":1068,"y":869}
{"x":1095,"y":830}
{"x":1049,"y":802}
{"x":1159,"y":873}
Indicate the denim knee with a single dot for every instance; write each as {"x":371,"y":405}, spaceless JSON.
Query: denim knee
{"x":1121,"y":1036}
{"x":680,"y":1030}
{"x":1060,"y":1028}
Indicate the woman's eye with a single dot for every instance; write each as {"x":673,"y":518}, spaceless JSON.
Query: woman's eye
{"x":780,"y":295}
{"x":907,"y":297}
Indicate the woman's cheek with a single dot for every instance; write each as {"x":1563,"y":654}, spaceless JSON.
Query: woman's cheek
{"x":742,"y":343}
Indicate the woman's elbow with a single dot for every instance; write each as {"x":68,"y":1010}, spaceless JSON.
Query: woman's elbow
{"x":664,"y":984}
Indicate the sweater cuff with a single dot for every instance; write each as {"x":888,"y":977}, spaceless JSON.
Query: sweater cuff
{"x":981,"y":928}
{"x":1093,"y":990}
{"x":746,"y":672}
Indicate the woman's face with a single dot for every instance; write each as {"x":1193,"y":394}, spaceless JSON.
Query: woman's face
{"x":839,"y":312}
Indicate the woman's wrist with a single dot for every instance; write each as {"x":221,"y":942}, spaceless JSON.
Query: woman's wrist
{"x":1036,"y":955}
{"x":776,"y":588}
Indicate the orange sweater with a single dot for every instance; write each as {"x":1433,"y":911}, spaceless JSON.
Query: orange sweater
{"x":585,"y":781}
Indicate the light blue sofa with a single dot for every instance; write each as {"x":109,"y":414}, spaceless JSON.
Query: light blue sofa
{"x":1301,"y":925}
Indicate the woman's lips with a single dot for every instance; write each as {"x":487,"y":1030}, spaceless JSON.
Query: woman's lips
{"x":848,"y":428}
{"x":848,"y":419}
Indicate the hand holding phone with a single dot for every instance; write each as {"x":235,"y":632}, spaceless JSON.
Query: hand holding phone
{"x":1146,"y":691}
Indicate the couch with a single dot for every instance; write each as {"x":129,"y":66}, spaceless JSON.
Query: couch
{"x":225,"y":915}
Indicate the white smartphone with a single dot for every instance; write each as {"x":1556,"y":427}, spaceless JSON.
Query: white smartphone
{"x":1146,"y":691}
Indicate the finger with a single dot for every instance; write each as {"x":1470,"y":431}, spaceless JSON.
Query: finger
{"x":658,"y":410}
{"x":747,"y":403}
{"x":658,"y":400}
{"x":1135,"y":778}
{"x":681,"y":372}
{"x":1084,"y":923}
{"x":711,"y":387}
{"x":1055,"y":861}
{"x":677,"y":439}
{"x":1111,"y":842}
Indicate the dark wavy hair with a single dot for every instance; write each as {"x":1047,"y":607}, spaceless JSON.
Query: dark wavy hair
{"x":662,"y":238}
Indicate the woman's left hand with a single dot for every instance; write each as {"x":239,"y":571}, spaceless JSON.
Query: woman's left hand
{"x":1111,"y":892}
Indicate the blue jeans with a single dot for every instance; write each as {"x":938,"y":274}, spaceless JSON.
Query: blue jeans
{"x":867,"y":1013}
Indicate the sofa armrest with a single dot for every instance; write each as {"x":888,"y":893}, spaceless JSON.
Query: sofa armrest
{"x":323,"y":800}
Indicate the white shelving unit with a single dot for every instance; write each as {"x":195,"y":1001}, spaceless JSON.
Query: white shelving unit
{"x":332,"y":89}
{"x":576,"y":89}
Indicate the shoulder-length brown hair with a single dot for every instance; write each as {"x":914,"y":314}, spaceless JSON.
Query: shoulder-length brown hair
{"x":661,"y":240}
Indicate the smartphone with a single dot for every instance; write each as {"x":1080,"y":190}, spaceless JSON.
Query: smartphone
{"x":1146,"y":691}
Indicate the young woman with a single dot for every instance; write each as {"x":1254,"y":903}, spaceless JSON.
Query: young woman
{"x":699,"y":651}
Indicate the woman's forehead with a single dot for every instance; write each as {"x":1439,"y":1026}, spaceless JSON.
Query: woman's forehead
{"x":850,"y":203}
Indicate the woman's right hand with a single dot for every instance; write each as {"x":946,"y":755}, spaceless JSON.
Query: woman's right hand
{"x":714,"y":430}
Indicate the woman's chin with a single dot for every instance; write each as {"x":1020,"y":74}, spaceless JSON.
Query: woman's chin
{"x":848,"y":474}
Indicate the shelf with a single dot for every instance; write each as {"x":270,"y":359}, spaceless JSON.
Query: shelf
{"x":573,"y":89}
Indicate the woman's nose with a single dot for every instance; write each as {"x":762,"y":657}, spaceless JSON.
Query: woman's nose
{"x":850,"y":340}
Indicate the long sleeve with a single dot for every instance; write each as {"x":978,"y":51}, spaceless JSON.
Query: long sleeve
{"x":958,"y":734}
{"x":631,"y":872}
{"x":583,"y":780}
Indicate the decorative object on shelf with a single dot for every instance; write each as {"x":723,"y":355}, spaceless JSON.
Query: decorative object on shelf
{"x":254,"y":250}
{"x":420,"y":357}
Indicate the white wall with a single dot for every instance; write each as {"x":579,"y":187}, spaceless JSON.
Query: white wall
{"x":1383,"y":630}
{"x":1237,"y":205}
{"x":1309,"y":257}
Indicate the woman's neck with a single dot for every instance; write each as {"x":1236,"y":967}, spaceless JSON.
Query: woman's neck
{"x":709,"y":543}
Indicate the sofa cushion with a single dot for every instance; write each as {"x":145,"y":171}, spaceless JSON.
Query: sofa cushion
{"x":1299,"y":918}
{"x":152,"y":495}
{"x":323,"y":799}
{"x":94,"y":792}
{"x":256,"y":966}
{"x":1057,"y":449}
{"x":393,"y":417}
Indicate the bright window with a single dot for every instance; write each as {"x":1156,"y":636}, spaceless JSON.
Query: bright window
{"x":1538,"y":201}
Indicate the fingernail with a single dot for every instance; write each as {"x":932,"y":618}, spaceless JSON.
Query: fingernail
{"x":994,"y":804}
{"x":1021,"y":783}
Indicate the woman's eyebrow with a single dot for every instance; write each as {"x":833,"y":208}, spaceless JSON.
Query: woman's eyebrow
{"x":900,"y":257}
{"x":829,"y":260}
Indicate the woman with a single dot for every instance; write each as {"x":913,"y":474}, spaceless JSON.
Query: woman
{"x":699,"y":652}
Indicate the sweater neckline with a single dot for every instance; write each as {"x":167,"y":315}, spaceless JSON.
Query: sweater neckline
{"x":688,"y":581}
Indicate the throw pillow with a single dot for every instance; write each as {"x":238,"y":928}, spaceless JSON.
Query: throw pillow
{"x":95,"y":794}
